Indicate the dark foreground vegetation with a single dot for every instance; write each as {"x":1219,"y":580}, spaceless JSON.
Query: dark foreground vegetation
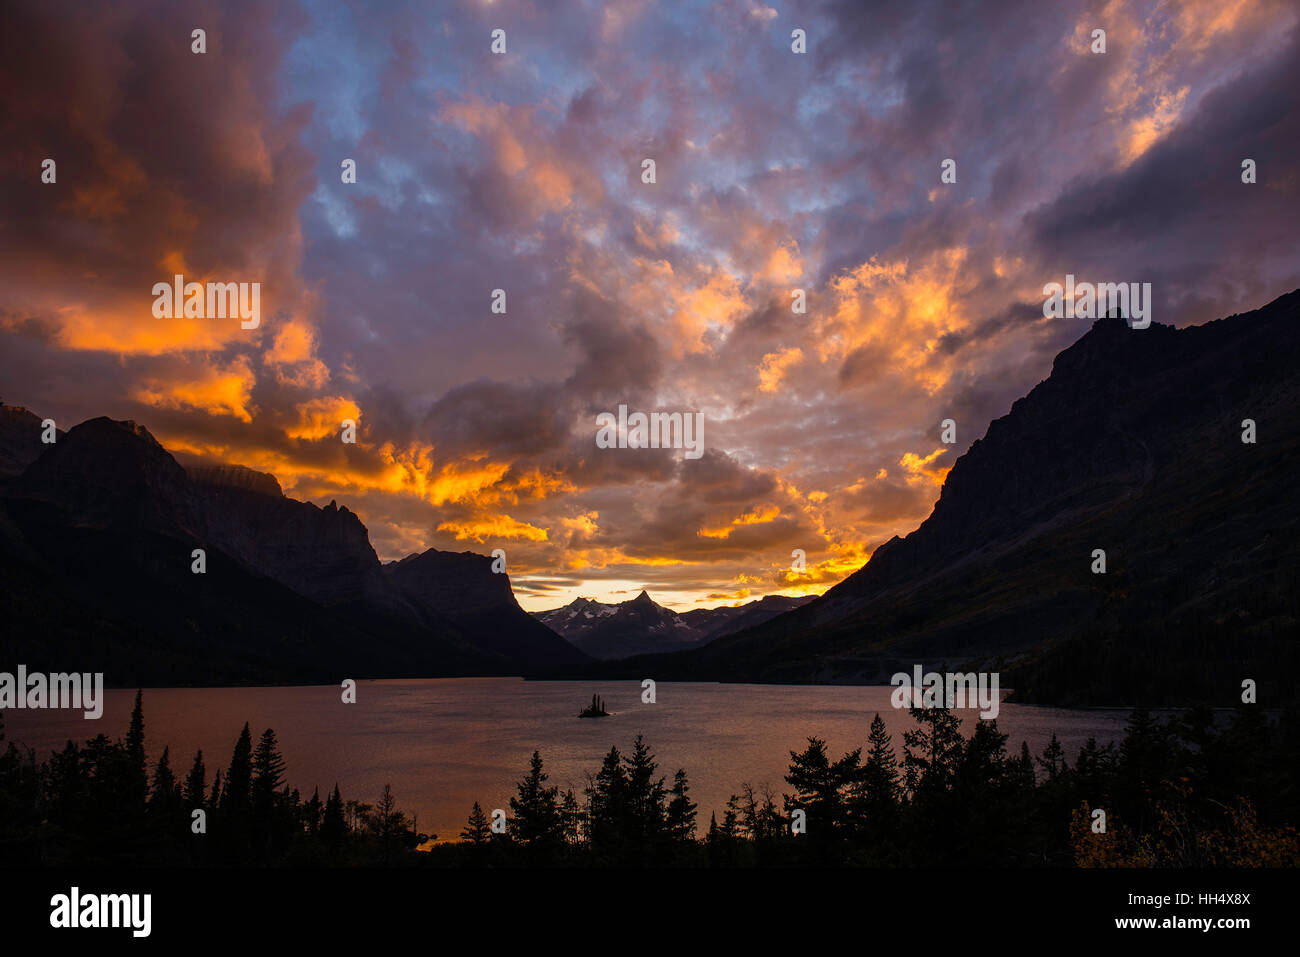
{"x":1186,"y":792}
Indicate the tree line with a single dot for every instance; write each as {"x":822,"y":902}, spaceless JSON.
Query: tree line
{"x":1187,"y":791}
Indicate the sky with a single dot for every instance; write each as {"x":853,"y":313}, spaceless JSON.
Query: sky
{"x":775,"y":171}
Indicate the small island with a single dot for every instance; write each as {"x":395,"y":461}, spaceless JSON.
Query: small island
{"x":595,"y":710}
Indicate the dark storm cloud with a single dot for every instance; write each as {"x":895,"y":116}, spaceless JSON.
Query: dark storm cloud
{"x":503,"y":419}
{"x":616,"y":360}
{"x":717,"y":478}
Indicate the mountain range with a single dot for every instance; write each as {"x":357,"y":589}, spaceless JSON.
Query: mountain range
{"x":1135,"y":445}
{"x":642,"y":626}
{"x":97,"y":538}
{"x":1174,"y":452}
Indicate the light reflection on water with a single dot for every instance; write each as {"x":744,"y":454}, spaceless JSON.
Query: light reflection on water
{"x":445,"y":743}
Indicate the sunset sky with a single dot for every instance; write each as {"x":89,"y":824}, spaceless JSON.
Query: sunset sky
{"x":522,"y":171}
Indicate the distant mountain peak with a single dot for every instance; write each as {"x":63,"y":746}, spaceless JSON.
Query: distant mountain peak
{"x":640,"y":625}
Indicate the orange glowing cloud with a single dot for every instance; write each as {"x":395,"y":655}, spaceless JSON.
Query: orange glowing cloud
{"x":784,"y":264}
{"x":293,"y":352}
{"x":583,"y":525}
{"x":1145,"y":130}
{"x":411,"y":470}
{"x":494,"y":527}
{"x":521,"y":151}
{"x":773,"y":367}
{"x":899,"y":310}
{"x":215,"y":390}
{"x":845,"y":558}
{"x":600,"y":558}
{"x":737,"y":596}
{"x":717,"y":303}
{"x":408,"y":470}
{"x":920,"y":467}
{"x":530,"y":484}
{"x":130,"y":328}
{"x":462,"y":482}
{"x":758,"y":516}
{"x":322,"y":417}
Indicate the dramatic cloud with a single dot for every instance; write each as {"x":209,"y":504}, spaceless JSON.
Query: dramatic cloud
{"x":780,"y":178}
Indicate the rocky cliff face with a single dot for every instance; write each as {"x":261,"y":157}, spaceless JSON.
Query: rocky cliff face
{"x":461,"y":587}
{"x":106,"y":473}
{"x":238,"y":477}
{"x":1133,"y":445}
{"x":322,"y":553}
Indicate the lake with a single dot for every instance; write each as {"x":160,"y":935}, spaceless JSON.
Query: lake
{"x":445,"y":743}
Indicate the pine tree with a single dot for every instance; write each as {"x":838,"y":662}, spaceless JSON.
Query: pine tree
{"x":477,"y":830}
{"x":137,"y":778}
{"x":1053,"y":760}
{"x":607,"y":803}
{"x":135,"y":733}
{"x":268,"y":774}
{"x":822,"y":790}
{"x":165,"y":796}
{"x":389,"y":825}
{"x":215,"y":795}
{"x":236,"y":796}
{"x":273,"y":811}
{"x":537,"y":824}
{"x":333,"y":827}
{"x":751,"y":817}
{"x":311,"y":813}
{"x":1023,"y":772}
{"x":65,"y":787}
{"x":982,"y":767}
{"x":195,"y":783}
{"x":759,"y":819}
{"x":681,"y":810}
{"x":645,"y":824}
{"x":879,"y":787}
{"x":930,"y":769}
{"x":731,"y":826}
{"x":571,"y":818}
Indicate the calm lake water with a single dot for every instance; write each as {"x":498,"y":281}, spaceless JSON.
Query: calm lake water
{"x":445,"y":743}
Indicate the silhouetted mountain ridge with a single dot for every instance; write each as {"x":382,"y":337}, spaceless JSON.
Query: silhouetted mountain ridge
{"x":462,"y":587}
{"x":1133,"y":445}
{"x":97,"y":537}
